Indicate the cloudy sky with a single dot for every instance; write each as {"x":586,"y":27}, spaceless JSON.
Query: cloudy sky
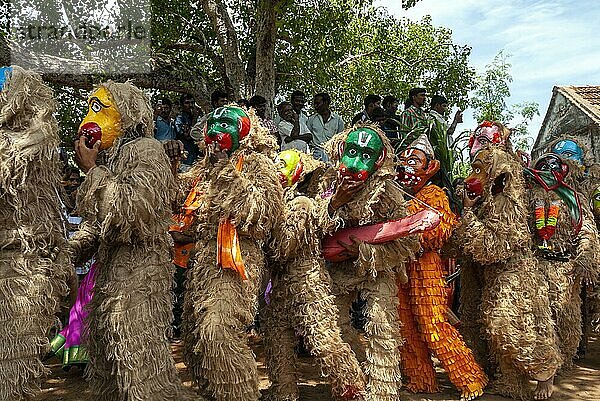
{"x":552,"y":42}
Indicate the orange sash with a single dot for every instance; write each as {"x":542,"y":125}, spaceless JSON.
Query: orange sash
{"x":183,"y":220}
{"x":229,"y":255}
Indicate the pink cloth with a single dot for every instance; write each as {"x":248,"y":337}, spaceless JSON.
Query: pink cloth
{"x":78,"y":314}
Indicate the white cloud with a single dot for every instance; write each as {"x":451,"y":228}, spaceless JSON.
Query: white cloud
{"x":552,"y":42}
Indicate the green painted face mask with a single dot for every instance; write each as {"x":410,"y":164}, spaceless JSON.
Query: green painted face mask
{"x":362,"y":154}
{"x":227,"y":126}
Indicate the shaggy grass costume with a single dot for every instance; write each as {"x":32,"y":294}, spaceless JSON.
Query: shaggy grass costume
{"x":33,"y":270}
{"x":219,"y":303}
{"x":585,"y":178}
{"x":125,"y":203}
{"x":374,"y":272}
{"x":564,"y":277}
{"x":503,"y":288}
{"x":301,"y":299}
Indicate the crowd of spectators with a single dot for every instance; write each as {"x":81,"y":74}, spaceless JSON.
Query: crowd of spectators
{"x":292,"y":127}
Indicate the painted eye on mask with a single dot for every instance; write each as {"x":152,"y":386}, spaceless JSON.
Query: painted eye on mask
{"x":477,"y":170}
{"x":411,"y":162}
{"x":352,"y":152}
{"x":224,"y":125}
{"x":366,"y":156}
{"x":96,"y":106}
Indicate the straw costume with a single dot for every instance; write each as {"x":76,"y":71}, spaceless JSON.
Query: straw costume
{"x":241,"y":204}
{"x":566,"y":242}
{"x":488,"y":133}
{"x":423,"y":306}
{"x":301,"y":291}
{"x":363,"y":156}
{"x":584,"y":177}
{"x":33,"y":268}
{"x":125,"y":203}
{"x":513,"y":297}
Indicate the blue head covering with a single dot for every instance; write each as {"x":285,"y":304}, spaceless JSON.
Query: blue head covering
{"x":4,"y":73}
{"x":568,"y":149}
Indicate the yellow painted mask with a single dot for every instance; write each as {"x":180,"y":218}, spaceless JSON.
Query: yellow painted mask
{"x":103,"y":120}
{"x":289,"y":167}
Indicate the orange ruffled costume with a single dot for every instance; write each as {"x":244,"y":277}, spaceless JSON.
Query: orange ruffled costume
{"x":423,"y":309}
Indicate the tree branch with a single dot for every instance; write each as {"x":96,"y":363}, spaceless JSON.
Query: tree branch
{"x":228,"y":40}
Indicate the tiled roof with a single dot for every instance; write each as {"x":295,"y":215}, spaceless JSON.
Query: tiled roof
{"x":587,"y":98}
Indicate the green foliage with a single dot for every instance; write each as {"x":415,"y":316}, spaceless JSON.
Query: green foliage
{"x":406,"y":4}
{"x":375,"y":53}
{"x":72,"y":107}
{"x":489,"y":102}
{"x":345,"y":47}
{"x":462,"y":165}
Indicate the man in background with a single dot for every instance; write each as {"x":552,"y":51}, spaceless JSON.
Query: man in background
{"x":370,"y":102}
{"x":323,"y":125}
{"x":289,"y":129}
{"x":259,"y":104}
{"x":183,"y":125}
{"x":439,"y":110}
{"x":163,"y":125}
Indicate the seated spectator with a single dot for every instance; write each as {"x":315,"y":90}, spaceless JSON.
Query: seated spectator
{"x":370,"y":102}
{"x":163,"y":125}
{"x":289,"y":129}
{"x":259,"y":104}
{"x":323,"y":125}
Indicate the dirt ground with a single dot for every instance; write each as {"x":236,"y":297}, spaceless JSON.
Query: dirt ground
{"x":581,"y":384}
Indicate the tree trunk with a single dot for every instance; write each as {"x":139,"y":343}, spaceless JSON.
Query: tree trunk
{"x":228,"y":41}
{"x":266,"y":15}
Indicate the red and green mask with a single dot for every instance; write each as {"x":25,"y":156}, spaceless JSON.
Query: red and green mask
{"x":227,"y":126}
{"x":361,"y":154}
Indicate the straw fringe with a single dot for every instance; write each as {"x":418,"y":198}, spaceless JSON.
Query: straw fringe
{"x":33,"y":268}
{"x":564,"y":277}
{"x":375,"y":270}
{"x":126,"y":204}
{"x":301,"y":298}
{"x":505,"y":285}
{"x":219,"y":305}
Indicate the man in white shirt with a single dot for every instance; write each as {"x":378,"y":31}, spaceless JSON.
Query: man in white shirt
{"x":290,"y":130}
{"x":323,"y":124}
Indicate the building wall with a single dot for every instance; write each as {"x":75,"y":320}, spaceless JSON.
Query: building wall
{"x":568,"y":119}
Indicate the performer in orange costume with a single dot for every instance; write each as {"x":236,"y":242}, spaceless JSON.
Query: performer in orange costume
{"x":423,"y":307}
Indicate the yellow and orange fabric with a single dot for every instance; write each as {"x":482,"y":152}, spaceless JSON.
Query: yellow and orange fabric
{"x":229,"y":254}
{"x":183,"y":221}
{"x":423,"y":311}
